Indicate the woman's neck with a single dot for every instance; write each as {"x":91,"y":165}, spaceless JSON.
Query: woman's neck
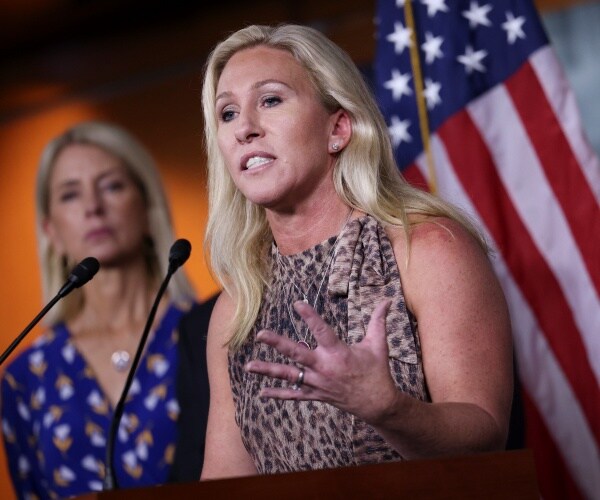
{"x":117,"y":300}
{"x":308,"y":225}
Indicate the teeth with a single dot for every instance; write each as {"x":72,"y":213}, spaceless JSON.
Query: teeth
{"x":256,"y":161}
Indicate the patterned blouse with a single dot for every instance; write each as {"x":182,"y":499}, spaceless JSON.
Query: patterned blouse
{"x":56,"y":418}
{"x":344,"y":280}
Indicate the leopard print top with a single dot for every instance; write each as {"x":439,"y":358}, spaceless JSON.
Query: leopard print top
{"x":285,"y":436}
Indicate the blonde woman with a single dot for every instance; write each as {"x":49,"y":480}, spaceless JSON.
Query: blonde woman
{"x":361,"y":320}
{"x":99,"y":194}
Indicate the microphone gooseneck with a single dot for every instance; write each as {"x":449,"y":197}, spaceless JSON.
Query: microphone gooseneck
{"x":179,"y":253}
{"x":80,"y":275}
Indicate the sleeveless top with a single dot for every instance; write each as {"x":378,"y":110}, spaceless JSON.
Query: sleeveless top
{"x":354,"y":274}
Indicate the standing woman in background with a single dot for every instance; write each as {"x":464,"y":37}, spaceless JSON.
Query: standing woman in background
{"x":361,"y":320}
{"x":99,"y":194}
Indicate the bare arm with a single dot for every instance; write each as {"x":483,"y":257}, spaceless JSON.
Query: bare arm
{"x":466,"y":345}
{"x":464,"y":328}
{"x":225,"y":454}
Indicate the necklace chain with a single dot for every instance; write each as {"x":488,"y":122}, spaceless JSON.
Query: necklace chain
{"x":324,"y":270}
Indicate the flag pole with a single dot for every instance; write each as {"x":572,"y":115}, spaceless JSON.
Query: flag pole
{"x":421,"y":107}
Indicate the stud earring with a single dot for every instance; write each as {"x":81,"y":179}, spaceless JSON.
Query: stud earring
{"x":335,"y":146}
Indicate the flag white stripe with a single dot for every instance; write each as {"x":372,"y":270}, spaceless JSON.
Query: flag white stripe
{"x":539,"y":211}
{"x":539,"y":370}
{"x":562,"y":100}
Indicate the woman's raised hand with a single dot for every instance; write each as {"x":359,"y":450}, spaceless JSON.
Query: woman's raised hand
{"x":353,"y":378}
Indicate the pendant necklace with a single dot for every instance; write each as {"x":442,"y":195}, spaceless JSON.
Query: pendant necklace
{"x":120,"y":360}
{"x":325,"y":267}
{"x":303,"y":338}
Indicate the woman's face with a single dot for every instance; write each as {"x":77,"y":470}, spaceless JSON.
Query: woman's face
{"x":273,"y":131}
{"x":95,"y":207}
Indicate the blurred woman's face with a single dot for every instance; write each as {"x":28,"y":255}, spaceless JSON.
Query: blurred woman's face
{"x":95,"y":207}
{"x":273,"y":130}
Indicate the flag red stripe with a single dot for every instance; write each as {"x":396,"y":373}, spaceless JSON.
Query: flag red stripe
{"x":568,"y":183}
{"x":414,"y":176}
{"x":556,"y":482}
{"x":475,"y":168}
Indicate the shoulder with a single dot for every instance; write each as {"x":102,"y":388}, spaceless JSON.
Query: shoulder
{"x":49,"y":344}
{"x":435,"y":238}
{"x":442,"y":255}
{"x":224,"y":308}
{"x":34,"y":364}
{"x":220,"y":327}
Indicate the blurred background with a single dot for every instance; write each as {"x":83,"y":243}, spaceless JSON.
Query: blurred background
{"x":139,"y":63}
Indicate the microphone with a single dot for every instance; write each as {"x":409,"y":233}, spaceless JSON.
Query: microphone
{"x":83,"y":272}
{"x":178,"y":255}
{"x":80,"y":275}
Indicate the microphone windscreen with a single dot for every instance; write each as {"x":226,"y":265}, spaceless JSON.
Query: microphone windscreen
{"x":179,"y":253}
{"x":84,"y":271}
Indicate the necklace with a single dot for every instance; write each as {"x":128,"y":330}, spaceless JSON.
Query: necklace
{"x":325,"y":267}
{"x":303,"y":338}
{"x":120,"y":360}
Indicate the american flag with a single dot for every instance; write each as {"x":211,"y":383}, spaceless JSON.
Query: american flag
{"x":479,"y":110}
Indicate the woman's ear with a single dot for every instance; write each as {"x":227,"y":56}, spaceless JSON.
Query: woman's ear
{"x":55,"y":241}
{"x":341,"y":131}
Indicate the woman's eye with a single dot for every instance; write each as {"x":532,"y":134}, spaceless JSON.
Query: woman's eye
{"x":271,"y":101}
{"x":67,"y":196}
{"x":115,"y":185}
{"x":227,"y":115}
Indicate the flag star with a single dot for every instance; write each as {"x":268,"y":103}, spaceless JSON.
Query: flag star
{"x":478,"y":15}
{"x":398,"y":131}
{"x":400,"y":3}
{"x":431,"y":47}
{"x":432,"y":93}
{"x":401,"y":38}
{"x":472,"y":59}
{"x":513,"y":27}
{"x":434,"y":6}
{"x":398,"y":84}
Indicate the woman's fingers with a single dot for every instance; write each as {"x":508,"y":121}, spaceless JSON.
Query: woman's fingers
{"x":296,"y":377}
{"x":319,"y":329}
{"x":291,"y":373}
{"x":293,"y":350}
{"x":376,"y":332}
{"x":333,"y":371}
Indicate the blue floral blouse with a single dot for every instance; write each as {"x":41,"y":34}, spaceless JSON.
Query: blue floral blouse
{"x":56,"y":418}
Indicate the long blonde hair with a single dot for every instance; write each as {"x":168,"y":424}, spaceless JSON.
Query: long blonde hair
{"x":365,"y":175}
{"x":141,"y":166}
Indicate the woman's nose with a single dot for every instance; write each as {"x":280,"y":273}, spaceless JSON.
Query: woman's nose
{"x":247,"y":127}
{"x":93,"y":203}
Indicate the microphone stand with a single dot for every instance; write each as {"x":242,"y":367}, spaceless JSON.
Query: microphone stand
{"x":80,"y":275}
{"x":110,"y":478}
{"x":28,"y":328}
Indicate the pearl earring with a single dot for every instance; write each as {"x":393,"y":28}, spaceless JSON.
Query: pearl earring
{"x":335,"y":146}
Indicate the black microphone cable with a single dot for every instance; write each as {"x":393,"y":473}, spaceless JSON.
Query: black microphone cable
{"x":179,"y":253}
{"x":80,"y":275}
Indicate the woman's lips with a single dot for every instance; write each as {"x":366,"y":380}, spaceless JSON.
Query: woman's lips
{"x":98,"y":233}
{"x":255,"y":160}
